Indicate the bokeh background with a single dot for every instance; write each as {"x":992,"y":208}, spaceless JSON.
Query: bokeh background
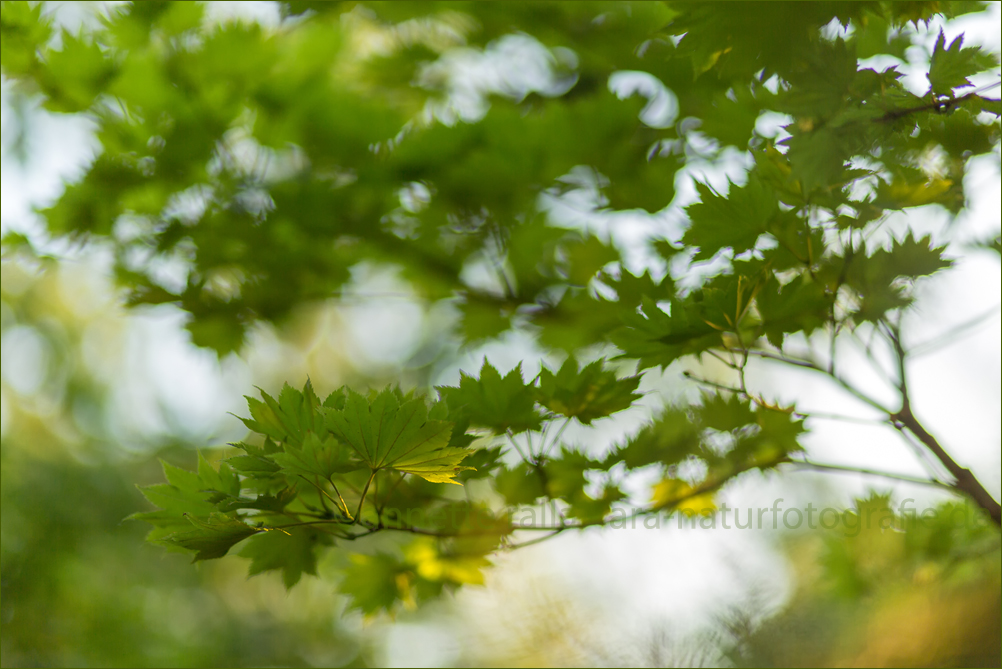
{"x":93,"y":395}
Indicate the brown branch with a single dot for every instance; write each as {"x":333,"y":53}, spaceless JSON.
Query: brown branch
{"x":938,"y":105}
{"x":965,"y":481}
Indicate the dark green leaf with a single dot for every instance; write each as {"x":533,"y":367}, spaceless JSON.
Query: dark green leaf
{"x":492,"y":401}
{"x":293,"y":551}
{"x":951,"y":65}
{"x":656,"y":338}
{"x":213,"y":537}
{"x":725,"y":414}
{"x":521,"y":485}
{"x":669,"y":439}
{"x":734,"y":220}
{"x":586,"y":394}
{"x":386,"y":432}
{"x":800,"y":306}
{"x":374,"y":582}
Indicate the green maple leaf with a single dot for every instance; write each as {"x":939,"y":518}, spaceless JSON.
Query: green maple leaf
{"x":591,"y":509}
{"x":372,"y":583}
{"x":76,"y":74}
{"x":565,"y":475}
{"x":657,"y":338}
{"x":293,"y":551}
{"x":186,"y":494}
{"x":386,"y":432}
{"x":586,"y":258}
{"x":275,"y":503}
{"x":212,"y":537}
{"x":911,"y":258}
{"x":779,"y":433}
{"x":951,"y":66}
{"x":483,"y":317}
{"x":492,"y":401}
{"x":669,"y":439}
{"x":24,"y":32}
{"x":289,"y":418}
{"x":799,"y":306}
{"x":223,"y":480}
{"x":724,"y":414}
{"x":817,"y":157}
{"x":732,"y":121}
{"x":874,"y":277}
{"x":482,"y":461}
{"x":734,"y":220}
{"x":587,"y":394}
{"x":520,"y":485}
{"x":316,"y":458}
{"x":253,"y":465}
{"x":630,"y":288}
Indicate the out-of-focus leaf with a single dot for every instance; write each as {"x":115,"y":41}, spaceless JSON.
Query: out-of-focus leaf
{"x":586,"y":394}
{"x":376,"y":582}
{"x":656,"y":338}
{"x":492,"y":401}
{"x":212,"y":538}
{"x":293,"y":551}
{"x":951,"y":66}
{"x":735,"y":220}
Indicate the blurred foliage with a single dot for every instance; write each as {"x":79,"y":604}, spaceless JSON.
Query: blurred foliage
{"x":80,"y":588}
{"x":269,"y":162}
{"x":898,"y":591}
{"x":246,"y":173}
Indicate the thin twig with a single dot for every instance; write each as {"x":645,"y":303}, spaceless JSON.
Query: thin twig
{"x":807,"y":364}
{"x":537,"y":540}
{"x":804,"y":464}
{"x":511,"y":440}
{"x":952,"y":334}
{"x":548,"y":447}
{"x":821,"y":415}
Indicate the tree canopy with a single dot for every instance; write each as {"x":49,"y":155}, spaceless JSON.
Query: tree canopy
{"x":244,"y":171}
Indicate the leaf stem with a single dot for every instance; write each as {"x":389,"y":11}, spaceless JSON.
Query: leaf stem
{"x":556,"y":438}
{"x":344,"y":506}
{"x":361,"y":499}
{"x":326,"y":494}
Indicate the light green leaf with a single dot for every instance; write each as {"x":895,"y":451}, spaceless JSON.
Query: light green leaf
{"x":288,"y":419}
{"x":316,"y":458}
